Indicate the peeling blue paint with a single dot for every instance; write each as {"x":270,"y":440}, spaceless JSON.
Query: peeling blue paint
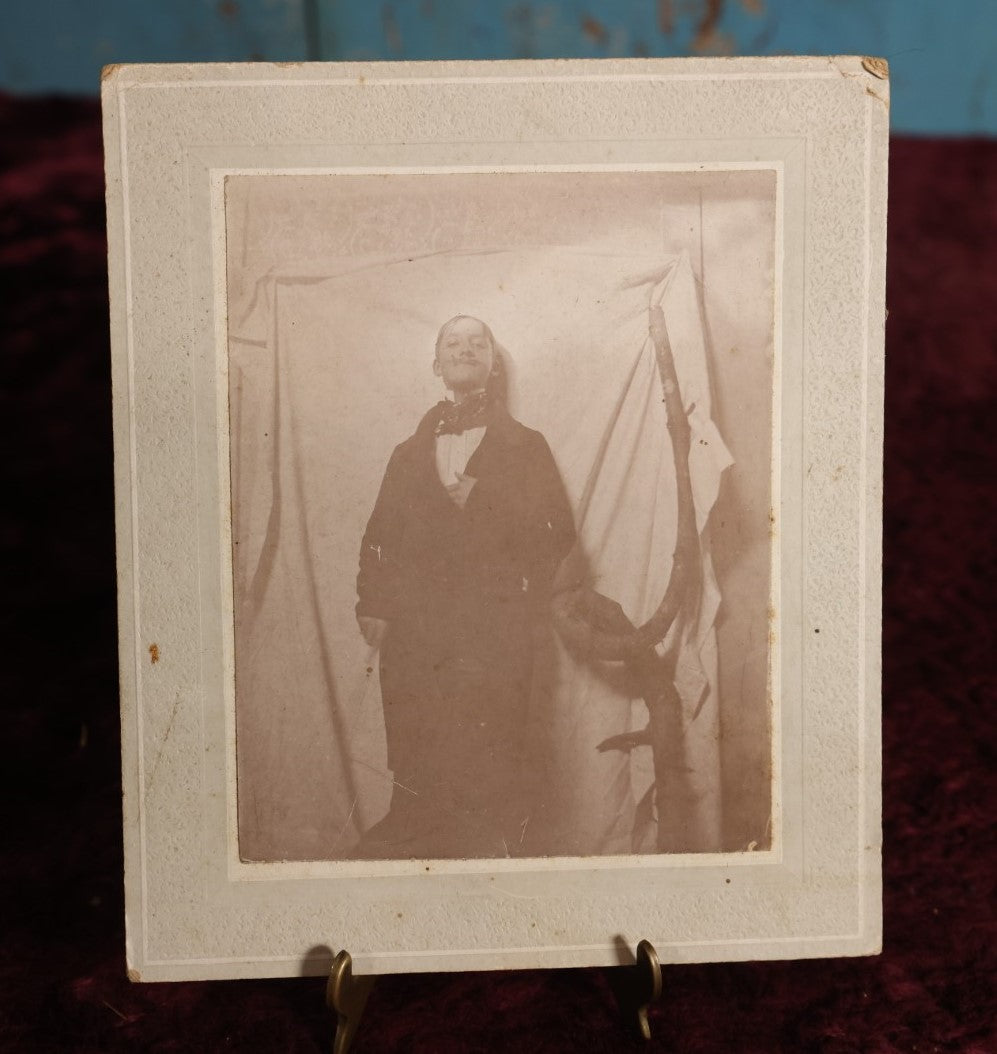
{"x":942,"y":56}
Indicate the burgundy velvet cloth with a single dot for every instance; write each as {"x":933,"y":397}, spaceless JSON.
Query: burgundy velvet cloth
{"x":62,"y":964}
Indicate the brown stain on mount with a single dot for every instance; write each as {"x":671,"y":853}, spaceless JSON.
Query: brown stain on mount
{"x":154,"y":653}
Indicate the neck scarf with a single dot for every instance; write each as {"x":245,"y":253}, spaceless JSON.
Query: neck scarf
{"x":457,"y":418}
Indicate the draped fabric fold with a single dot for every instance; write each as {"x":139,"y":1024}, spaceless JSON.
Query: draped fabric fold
{"x":330,"y":368}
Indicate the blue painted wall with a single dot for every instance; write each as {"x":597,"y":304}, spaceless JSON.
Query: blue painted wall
{"x":942,"y":52}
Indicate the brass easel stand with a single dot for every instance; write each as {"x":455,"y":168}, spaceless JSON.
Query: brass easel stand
{"x":643,"y":987}
{"x":638,"y":986}
{"x":347,"y":995}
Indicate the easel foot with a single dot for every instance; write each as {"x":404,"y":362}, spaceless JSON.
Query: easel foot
{"x":639,"y":986}
{"x":347,"y":996}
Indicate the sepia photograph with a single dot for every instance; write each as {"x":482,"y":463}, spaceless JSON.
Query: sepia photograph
{"x":501,"y":490}
{"x":499,"y":503}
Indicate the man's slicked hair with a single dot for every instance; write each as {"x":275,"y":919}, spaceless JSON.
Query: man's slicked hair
{"x":451,"y":322}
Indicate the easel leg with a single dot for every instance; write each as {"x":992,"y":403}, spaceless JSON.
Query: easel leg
{"x":638,"y":987}
{"x":347,"y":996}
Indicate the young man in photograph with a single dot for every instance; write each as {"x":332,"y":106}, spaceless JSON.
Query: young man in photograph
{"x":468,"y":530}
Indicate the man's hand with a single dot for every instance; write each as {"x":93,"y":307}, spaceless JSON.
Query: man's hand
{"x":461,"y":490}
{"x":373,"y":629}
{"x":657,"y":327}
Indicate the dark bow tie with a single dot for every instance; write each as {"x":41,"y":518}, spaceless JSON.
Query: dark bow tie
{"x":457,"y":418}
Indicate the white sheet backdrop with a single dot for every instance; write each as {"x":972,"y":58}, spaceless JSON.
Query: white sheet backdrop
{"x":330,"y":368}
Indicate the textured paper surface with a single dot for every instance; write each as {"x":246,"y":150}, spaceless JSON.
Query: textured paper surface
{"x":172,"y":135}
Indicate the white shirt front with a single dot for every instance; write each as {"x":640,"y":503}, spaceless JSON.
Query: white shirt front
{"x":454,"y":452}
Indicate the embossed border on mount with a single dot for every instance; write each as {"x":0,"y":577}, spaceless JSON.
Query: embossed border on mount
{"x":169,"y":132}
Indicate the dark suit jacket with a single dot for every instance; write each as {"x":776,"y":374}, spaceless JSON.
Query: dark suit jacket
{"x":461,"y":589}
{"x":423,"y":558}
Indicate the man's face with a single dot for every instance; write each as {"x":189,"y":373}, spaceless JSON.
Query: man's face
{"x":465,"y":356}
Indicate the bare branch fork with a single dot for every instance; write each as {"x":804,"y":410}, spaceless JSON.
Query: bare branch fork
{"x":594,"y":624}
{"x":597,"y":627}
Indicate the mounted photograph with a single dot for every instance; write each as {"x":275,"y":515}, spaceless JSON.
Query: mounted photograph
{"x":498,"y":472}
{"x":502,"y":578}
